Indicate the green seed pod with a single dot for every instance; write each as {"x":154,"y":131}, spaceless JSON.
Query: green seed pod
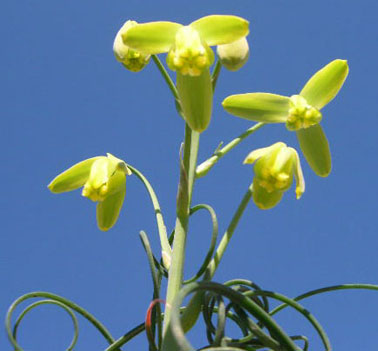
{"x":196,"y":99}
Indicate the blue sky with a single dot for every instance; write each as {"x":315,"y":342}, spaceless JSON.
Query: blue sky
{"x":64,"y":98}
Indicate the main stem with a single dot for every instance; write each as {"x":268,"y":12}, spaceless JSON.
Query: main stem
{"x":187,"y":176}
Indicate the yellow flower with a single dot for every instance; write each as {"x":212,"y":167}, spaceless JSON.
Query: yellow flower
{"x":301,"y":113}
{"x":131,"y":59}
{"x":275,"y":168}
{"x":190,"y":56}
{"x":104,"y":181}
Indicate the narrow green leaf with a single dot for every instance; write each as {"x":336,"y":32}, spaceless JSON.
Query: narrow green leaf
{"x":109,"y":209}
{"x":260,"y":107}
{"x":151,"y":38}
{"x":315,"y":148}
{"x":74,"y":177}
{"x":324,"y":85}
{"x":221,"y":29}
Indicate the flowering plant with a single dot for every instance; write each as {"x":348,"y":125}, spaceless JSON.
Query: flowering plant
{"x":276,"y":168}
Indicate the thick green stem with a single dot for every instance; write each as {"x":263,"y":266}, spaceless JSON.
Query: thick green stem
{"x":187,"y":176}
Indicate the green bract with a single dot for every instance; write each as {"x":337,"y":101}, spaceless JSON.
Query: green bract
{"x":301,"y":113}
{"x":133,"y":60}
{"x":275,"y":167}
{"x":103,"y":180}
{"x":190,"y":55}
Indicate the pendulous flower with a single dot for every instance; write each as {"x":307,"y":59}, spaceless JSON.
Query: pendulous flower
{"x":301,"y":112}
{"x":190,"y":56}
{"x":103,"y":179}
{"x":131,"y":59}
{"x":275,"y":168}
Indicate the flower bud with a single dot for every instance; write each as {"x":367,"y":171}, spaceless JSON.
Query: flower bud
{"x":301,"y":114}
{"x":131,"y":59}
{"x":275,"y":168}
{"x":189,"y":55}
{"x":233,"y":56}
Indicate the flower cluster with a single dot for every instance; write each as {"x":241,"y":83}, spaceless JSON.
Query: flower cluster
{"x":189,"y":54}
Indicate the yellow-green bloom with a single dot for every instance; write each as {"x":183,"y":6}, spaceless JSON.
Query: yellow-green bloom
{"x":190,"y":56}
{"x":103,"y":179}
{"x":275,"y":168}
{"x":233,"y":56}
{"x":131,"y":59}
{"x":301,"y":112}
{"x":187,"y":46}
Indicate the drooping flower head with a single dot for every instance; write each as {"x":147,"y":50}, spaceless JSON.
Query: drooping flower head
{"x":104,"y":181}
{"x":190,"y":56}
{"x":275,"y":168}
{"x":131,"y":59}
{"x":301,"y":113}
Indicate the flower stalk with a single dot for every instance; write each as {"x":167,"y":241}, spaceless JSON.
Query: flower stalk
{"x":186,"y":182}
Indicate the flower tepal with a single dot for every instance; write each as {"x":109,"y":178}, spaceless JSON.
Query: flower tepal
{"x":275,"y":168}
{"x":103,"y":180}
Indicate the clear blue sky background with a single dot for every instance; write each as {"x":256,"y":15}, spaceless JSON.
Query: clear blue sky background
{"x":64,"y":98}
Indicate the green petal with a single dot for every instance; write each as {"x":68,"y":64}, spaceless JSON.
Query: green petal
{"x":196,"y":99}
{"x":220,"y":29}
{"x":260,"y":107}
{"x":151,"y":38}
{"x":109,"y":209}
{"x":117,"y":182}
{"x":263,"y":199}
{"x":324,"y":85}
{"x":74,"y":177}
{"x":315,"y":148}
